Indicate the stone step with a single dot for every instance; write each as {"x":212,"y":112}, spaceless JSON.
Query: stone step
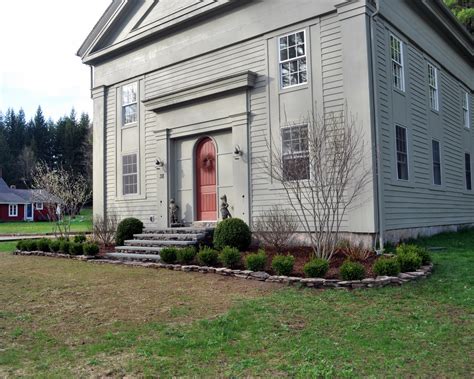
{"x":138,"y":249}
{"x":184,"y":230}
{"x":160,"y":243}
{"x":134,"y":257}
{"x":170,"y":237}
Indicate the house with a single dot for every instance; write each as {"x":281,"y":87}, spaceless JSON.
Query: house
{"x":187,"y":93}
{"x":23,"y":205}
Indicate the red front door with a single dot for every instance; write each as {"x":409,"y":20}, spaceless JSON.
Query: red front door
{"x":206,"y":181}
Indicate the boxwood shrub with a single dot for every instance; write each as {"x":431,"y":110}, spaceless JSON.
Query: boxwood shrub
{"x":352,"y":271}
{"x":386,"y":267}
{"x":21,"y":245}
{"x":91,"y":249}
{"x":80,"y":238}
{"x":54,"y":245}
{"x":76,"y":248}
{"x":232,"y":232}
{"x":207,"y":257}
{"x":31,"y":245}
{"x":186,"y":255}
{"x":43,"y":245}
{"x":409,"y":261}
{"x":418,"y":250}
{"x":169,"y":255}
{"x":126,"y":229}
{"x":316,"y":268}
{"x":230,"y":257}
{"x":283,"y":264}
{"x":256,"y":261}
{"x":64,"y":246}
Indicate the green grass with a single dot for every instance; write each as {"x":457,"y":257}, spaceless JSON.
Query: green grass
{"x":82,"y":223}
{"x":7,"y":247}
{"x":66,"y":318}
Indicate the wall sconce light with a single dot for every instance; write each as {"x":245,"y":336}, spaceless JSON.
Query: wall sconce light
{"x":237,"y":152}
{"x":159,"y":164}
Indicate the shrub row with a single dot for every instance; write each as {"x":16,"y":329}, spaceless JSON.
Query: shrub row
{"x":78,"y":246}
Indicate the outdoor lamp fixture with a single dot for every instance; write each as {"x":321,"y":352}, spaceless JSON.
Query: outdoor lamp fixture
{"x":237,"y":152}
{"x":159,"y":164}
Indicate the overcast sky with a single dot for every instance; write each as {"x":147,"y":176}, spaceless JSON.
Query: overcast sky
{"x":38,"y":62}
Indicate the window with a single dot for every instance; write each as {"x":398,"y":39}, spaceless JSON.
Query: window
{"x":467,"y":165}
{"x":295,"y":152}
{"x":130,"y":174}
{"x":13,"y":210}
{"x":293,"y":67}
{"x":402,"y":153}
{"x":396,"y":53}
{"x":39,"y":206}
{"x":436,"y":162}
{"x":433,"y":84}
{"x":466,"y":117}
{"x":129,"y":104}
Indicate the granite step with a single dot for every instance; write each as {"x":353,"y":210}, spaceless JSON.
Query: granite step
{"x":160,"y":243}
{"x":183,"y":230}
{"x":170,"y":237}
{"x":133,"y":257}
{"x":138,"y":249}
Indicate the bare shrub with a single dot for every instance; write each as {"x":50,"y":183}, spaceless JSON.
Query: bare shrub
{"x":355,"y":252}
{"x":104,"y":229}
{"x":276,"y":228}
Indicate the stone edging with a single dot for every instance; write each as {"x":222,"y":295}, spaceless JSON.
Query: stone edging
{"x":380,"y":281}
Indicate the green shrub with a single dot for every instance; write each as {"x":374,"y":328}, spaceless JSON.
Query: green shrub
{"x":43,"y":245}
{"x":207,"y":257}
{"x":316,"y":268}
{"x":418,"y":250}
{"x":386,"y":267}
{"x":168,"y":255}
{"x":64,"y":246}
{"x":31,"y":245}
{"x":80,"y":238}
{"x":21,"y":245}
{"x":91,"y":249}
{"x":230,"y":257}
{"x":256,"y":261}
{"x":283,"y":264}
{"x":352,"y":271}
{"x":126,"y":229}
{"x":186,"y":255}
{"x":409,"y":261}
{"x":76,"y":248}
{"x":54,"y":245}
{"x":232,"y":232}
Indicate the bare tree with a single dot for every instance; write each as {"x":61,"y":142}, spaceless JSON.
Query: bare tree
{"x":105,"y":228}
{"x":276,"y":228}
{"x":321,"y":167}
{"x":63,"y":194}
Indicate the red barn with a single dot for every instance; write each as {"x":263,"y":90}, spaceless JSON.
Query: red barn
{"x":23,"y":205}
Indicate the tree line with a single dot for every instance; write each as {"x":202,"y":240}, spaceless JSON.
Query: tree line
{"x":66,"y":143}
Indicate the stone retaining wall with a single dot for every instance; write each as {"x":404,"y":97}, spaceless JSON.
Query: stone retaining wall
{"x":380,"y":281}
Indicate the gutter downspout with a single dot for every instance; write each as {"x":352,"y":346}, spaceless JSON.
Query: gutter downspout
{"x":380,"y":209}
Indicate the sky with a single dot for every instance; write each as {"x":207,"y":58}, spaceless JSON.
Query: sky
{"x":38,"y":63}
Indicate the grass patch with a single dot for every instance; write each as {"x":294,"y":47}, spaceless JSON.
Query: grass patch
{"x":82,"y":223}
{"x":7,"y":247}
{"x":68,"y":318}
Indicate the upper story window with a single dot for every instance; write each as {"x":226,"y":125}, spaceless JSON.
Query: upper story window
{"x":396,"y":53}
{"x":130,"y":174}
{"x":13,"y":210}
{"x":436,"y":162}
{"x":39,"y":206}
{"x":466,"y":117}
{"x":433,"y":84}
{"x":129,"y":104}
{"x":467,"y":165}
{"x":295,"y":152}
{"x":293,"y":63}
{"x":402,"y":152}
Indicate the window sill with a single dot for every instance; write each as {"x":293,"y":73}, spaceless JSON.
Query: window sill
{"x":129,"y":126}
{"x":436,"y":188}
{"x":399,"y":91}
{"x":125,"y":198}
{"x":435,"y":111}
{"x":402,"y":183}
{"x":297,"y":87}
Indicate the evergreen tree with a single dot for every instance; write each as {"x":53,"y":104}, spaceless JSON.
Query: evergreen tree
{"x":464,"y":12}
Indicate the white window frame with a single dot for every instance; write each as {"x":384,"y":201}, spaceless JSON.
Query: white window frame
{"x":406,"y":153}
{"x":433,"y":162}
{"x":131,"y":174}
{"x":433,"y":87}
{"x":291,"y":60}
{"x":397,"y":63}
{"x":465,"y":110}
{"x":39,"y":206}
{"x":125,"y":105}
{"x":12,"y":210}
{"x":297,"y":154}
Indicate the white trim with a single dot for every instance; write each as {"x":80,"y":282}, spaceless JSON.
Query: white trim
{"x":398,"y":63}
{"x":39,"y":206}
{"x":125,"y":105}
{"x":295,"y":59}
{"x":13,"y":210}
{"x":297,"y":154}
{"x":136,"y":174}
{"x":433,"y":87}
{"x":466,"y":114}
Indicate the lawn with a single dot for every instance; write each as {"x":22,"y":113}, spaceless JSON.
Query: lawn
{"x":82,"y":223}
{"x":67,"y":318}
